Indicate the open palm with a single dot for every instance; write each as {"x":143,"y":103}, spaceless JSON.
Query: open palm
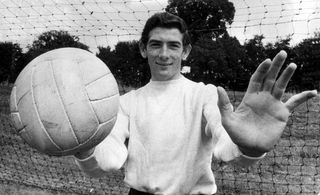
{"x":258,"y":122}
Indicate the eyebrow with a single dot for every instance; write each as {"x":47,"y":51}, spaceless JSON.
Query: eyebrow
{"x":170,"y":42}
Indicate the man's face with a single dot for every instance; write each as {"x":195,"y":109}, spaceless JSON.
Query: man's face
{"x":165,"y":52}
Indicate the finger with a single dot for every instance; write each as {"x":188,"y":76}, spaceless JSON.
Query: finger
{"x":276,"y":65}
{"x":224,"y":104}
{"x":298,"y":99}
{"x":258,"y":76}
{"x":281,"y":84}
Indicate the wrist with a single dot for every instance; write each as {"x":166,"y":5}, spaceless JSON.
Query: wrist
{"x":84,"y":154}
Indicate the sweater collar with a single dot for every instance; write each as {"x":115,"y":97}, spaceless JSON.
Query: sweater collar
{"x":164,"y":84}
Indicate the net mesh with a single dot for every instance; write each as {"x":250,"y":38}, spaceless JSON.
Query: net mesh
{"x":99,"y":22}
{"x":291,"y":168}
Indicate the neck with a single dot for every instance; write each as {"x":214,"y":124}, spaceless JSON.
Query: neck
{"x":175,"y":77}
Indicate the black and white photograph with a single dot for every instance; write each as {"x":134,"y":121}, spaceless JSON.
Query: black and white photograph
{"x":169,"y":97}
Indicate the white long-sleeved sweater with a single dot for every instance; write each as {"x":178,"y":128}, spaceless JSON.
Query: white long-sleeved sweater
{"x":174,"y":128}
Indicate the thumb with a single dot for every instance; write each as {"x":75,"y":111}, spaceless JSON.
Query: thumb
{"x":224,"y":104}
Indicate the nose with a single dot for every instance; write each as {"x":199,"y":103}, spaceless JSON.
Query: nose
{"x":163,"y":53}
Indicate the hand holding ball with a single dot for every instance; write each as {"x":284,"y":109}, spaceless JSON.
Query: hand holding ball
{"x":64,"y":101}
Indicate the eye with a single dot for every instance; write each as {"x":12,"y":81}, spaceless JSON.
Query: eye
{"x":175,"y":46}
{"x":154,"y":44}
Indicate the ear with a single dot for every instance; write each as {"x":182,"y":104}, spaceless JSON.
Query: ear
{"x":143,"y":50}
{"x":186,"y":51}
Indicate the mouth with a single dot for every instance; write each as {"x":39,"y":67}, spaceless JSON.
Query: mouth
{"x":163,"y":64}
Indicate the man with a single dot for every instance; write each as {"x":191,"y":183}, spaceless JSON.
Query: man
{"x":174,"y":125}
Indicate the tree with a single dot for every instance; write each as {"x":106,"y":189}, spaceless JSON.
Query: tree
{"x":126,"y":63}
{"x":238,"y":76}
{"x":207,"y":61}
{"x":203,"y":16}
{"x":107,"y":56}
{"x":308,"y":56}
{"x":255,"y":53}
{"x":216,"y":57}
{"x":53,"y":40}
{"x":284,"y":44}
{"x":10,"y":61}
{"x":219,"y":62}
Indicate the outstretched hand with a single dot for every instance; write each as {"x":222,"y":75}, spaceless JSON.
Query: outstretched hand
{"x":258,"y":122}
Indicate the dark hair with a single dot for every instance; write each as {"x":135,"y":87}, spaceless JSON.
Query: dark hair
{"x":165,"y":20}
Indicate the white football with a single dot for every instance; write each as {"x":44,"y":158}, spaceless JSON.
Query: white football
{"x":64,"y":101}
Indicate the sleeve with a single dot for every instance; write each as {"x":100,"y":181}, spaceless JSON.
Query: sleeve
{"x":111,"y":153}
{"x":223,"y":147}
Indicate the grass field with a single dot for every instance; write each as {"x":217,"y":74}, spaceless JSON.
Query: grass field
{"x":293,"y":167}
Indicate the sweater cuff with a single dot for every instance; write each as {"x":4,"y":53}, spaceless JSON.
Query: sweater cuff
{"x":253,"y":158}
{"x":84,"y":159}
{"x":86,"y":163}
